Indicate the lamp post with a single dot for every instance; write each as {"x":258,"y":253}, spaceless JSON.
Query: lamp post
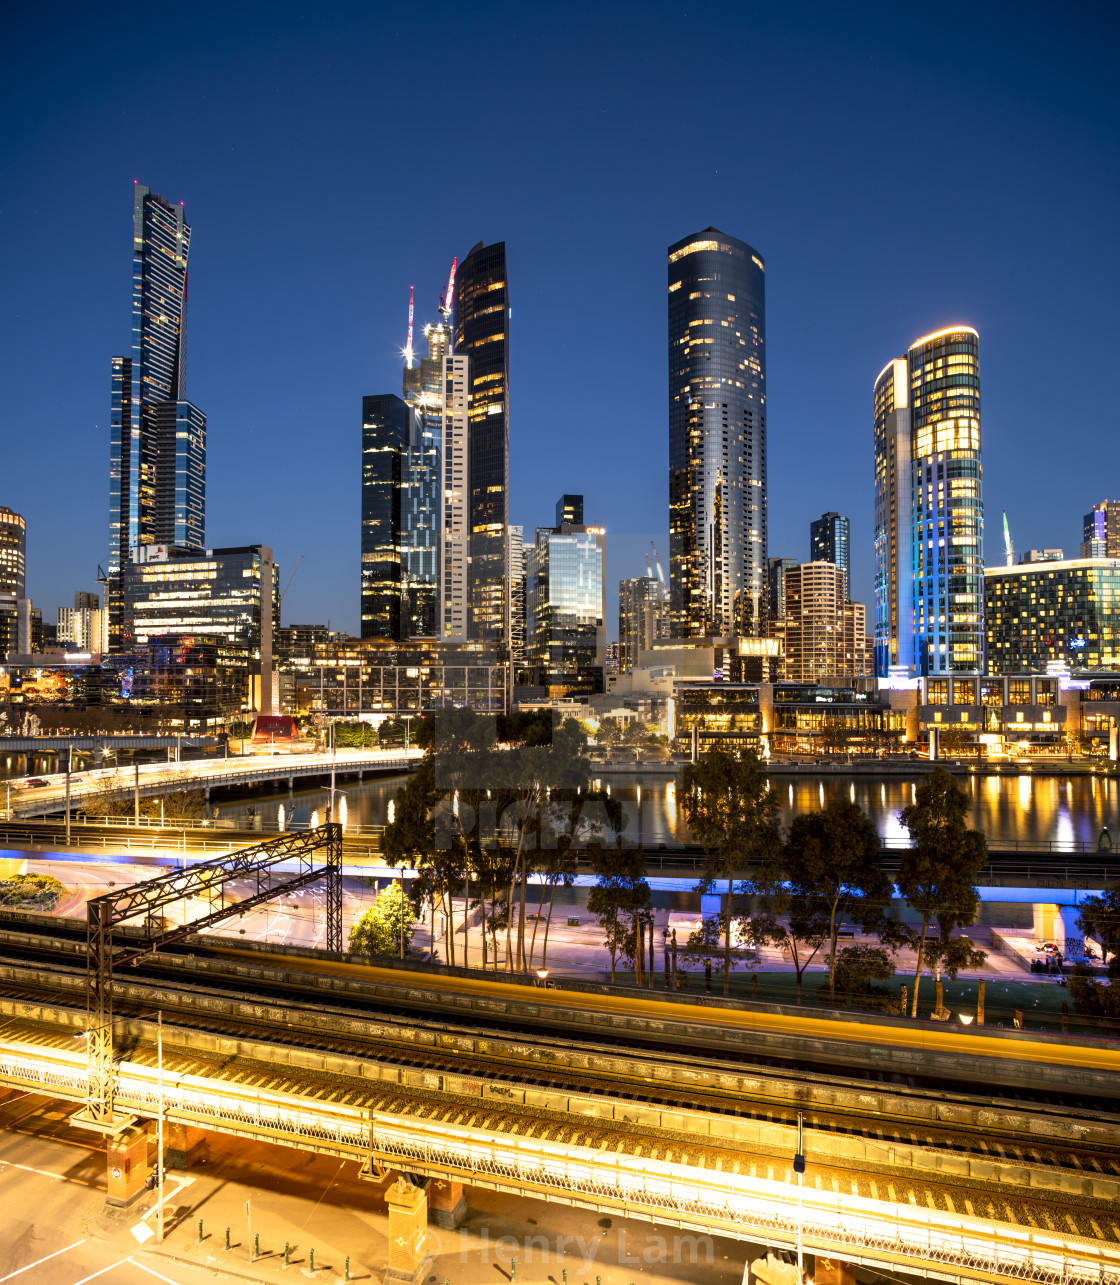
{"x":799,"y":1169}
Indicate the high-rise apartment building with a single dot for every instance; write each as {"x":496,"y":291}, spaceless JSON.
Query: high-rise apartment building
{"x":515,"y":560}
{"x":1039,"y":612}
{"x":825,"y":635}
{"x":13,"y":553}
{"x":84,"y":625}
{"x":385,"y":434}
{"x":929,"y":514}
{"x":455,"y":498}
{"x":569,"y":508}
{"x":717,"y":437}
{"x":566,"y":596}
{"x":776,"y":569}
{"x":1101,"y":531}
{"x":482,"y":320}
{"x":641,"y":615}
{"x":830,"y":540}
{"x":157,"y":439}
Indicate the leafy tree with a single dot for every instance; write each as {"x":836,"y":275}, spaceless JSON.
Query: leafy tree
{"x":620,"y":900}
{"x":835,"y":855}
{"x":937,"y":875}
{"x":793,"y":916}
{"x":733,"y":813}
{"x":856,"y":967}
{"x":386,"y":927}
{"x":1099,"y":919}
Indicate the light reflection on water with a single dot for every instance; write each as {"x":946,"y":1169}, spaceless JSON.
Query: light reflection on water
{"x":1027,"y":807}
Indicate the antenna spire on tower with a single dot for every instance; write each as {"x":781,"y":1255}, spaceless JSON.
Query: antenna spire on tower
{"x":408,"y":346}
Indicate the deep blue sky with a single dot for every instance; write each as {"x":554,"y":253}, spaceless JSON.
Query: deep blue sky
{"x":898,"y":168}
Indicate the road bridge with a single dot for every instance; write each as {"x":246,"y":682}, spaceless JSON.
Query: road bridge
{"x":946,"y":1183}
{"x":150,"y":779}
{"x":103,"y":741}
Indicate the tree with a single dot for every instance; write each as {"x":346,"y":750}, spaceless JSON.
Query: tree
{"x":620,"y":899}
{"x":386,"y":927}
{"x":856,"y":967}
{"x":836,"y":855}
{"x":937,"y":875}
{"x":733,"y":813}
{"x":794,"y":917}
{"x":1100,"y":920}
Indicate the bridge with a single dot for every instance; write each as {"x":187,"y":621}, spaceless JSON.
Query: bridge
{"x":145,"y":780}
{"x":100,"y":742}
{"x":961,"y":1154}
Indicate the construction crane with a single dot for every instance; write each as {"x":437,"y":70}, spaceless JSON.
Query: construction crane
{"x":1008,"y":549}
{"x":660,"y":573}
{"x":291,"y":577}
{"x":448,"y":297}
{"x":408,"y":346}
{"x":649,"y":569}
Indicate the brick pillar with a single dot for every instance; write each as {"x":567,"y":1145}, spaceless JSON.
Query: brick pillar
{"x":126,"y":1158}
{"x":447,"y":1206}
{"x":179,"y":1140}
{"x":408,"y":1233}
{"x":831,"y":1271}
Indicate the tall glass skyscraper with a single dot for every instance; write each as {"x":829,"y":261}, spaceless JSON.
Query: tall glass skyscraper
{"x":929,"y":511}
{"x":482,"y":335}
{"x":157,"y":439}
{"x":385,"y":434}
{"x":830,"y":539}
{"x":717,"y":437}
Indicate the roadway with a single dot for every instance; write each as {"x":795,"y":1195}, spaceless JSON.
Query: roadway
{"x":24,"y":800}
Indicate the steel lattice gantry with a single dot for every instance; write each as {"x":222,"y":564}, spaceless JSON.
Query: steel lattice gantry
{"x":318,"y":854}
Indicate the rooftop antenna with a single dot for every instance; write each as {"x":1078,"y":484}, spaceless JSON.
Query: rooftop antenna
{"x":408,"y":346}
{"x":1008,"y":549}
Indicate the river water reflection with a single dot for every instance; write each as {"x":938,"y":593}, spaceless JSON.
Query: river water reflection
{"x":1028,"y":808}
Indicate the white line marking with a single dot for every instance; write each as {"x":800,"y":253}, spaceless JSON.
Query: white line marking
{"x":43,"y":1173}
{"x":43,"y":1260}
{"x":151,"y":1272}
{"x":102,"y":1272}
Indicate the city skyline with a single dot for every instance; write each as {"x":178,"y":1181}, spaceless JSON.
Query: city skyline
{"x":837,"y":290}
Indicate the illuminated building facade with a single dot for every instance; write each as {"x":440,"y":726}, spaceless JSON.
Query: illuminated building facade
{"x":1043,"y":612}
{"x":230,"y":594}
{"x":776,"y":569}
{"x":929,"y":514}
{"x":420,"y":503}
{"x":455,"y":501}
{"x":515,"y":560}
{"x":825,"y":635}
{"x":641,"y":615}
{"x":84,"y":625}
{"x":566,"y":608}
{"x":482,"y":320}
{"x":717,"y":437}
{"x":157,"y":439}
{"x":13,"y":553}
{"x":385,"y":435}
{"x":830,"y":540}
{"x":1100,"y":531}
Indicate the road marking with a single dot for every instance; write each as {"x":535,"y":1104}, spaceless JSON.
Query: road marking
{"x":102,"y":1272}
{"x":43,"y":1260}
{"x":151,"y":1272}
{"x":43,"y":1173}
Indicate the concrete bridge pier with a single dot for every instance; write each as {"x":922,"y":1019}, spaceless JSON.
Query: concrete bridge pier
{"x":775,"y":1269}
{"x":408,"y":1233}
{"x":291,"y":782}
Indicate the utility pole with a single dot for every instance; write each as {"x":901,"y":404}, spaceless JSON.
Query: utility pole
{"x":159,"y":1148}
{"x":136,"y":794}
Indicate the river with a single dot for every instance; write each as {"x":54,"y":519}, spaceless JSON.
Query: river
{"x":1025,"y":808}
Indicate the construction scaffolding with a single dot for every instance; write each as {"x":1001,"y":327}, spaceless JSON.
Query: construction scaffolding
{"x":318,"y":856}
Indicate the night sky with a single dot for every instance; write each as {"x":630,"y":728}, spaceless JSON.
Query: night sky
{"x":899,"y":168}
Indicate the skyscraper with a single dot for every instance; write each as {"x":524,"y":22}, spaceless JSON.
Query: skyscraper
{"x":13,"y":553}
{"x":776,"y":569}
{"x":482,"y":335}
{"x":830,"y":539}
{"x":455,"y":471}
{"x":515,"y":560}
{"x":825,"y":634}
{"x":717,"y":436}
{"x":566,"y":608}
{"x":157,"y":439}
{"x":929,"y":513}
{"x":1100,"y":531}
{"x":641,"y":610}
{"x":385,"y":433}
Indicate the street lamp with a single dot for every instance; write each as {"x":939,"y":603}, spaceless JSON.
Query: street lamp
{"x":799,"y":1169}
